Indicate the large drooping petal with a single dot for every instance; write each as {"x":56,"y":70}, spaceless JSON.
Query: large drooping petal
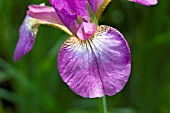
{"x":97,"y":66}
{"x":66,"y":14}
{"x":145,"y":2}
{"x":28,"y":31}
{"x":27,"y":35}
{"x":37,"y":15}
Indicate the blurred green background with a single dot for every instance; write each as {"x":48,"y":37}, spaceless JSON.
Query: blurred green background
{"x":33,"y":84}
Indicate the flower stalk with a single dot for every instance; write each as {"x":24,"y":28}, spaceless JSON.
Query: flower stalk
{"x":103,"y":105}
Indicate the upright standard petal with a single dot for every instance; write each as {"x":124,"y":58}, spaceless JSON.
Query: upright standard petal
{"x":94,"y":4}
{"x":80,"y":4}
{"x":28,"y":31}
{"x":80,"y":8}
{"x":145,"y":2}
{"x":97,"y":66}
{"x":69,"y":11}
{"x":66,"y":14}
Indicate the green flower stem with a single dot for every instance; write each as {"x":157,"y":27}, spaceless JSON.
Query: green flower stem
{"x":103,"y":105}
{"x":91,"y":14}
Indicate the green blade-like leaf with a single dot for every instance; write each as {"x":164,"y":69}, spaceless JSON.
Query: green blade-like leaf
{"x":92,"y":15}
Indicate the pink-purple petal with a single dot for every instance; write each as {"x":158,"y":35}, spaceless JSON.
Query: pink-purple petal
{"x":95,"y":4}
{"x":86,"y":30}
{"x":80,"y":8}
{"x":97,"y":66}
{"x":71,"y":10}
{"x":66,"y":15}
{"x":44,"y":13}
{"x":145,"y":2}
{"x":28,"y":31}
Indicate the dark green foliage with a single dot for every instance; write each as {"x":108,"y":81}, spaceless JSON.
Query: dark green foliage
{"x":33,"y":84}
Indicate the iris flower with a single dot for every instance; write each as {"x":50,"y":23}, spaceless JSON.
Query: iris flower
{"x":94,"y":60}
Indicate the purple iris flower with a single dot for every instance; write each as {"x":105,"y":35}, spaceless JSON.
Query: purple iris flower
{"x":94,"y":60}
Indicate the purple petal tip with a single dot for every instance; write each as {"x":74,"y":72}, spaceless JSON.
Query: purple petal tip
{"x":27,"y":32}
{"x":145,"y":2}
